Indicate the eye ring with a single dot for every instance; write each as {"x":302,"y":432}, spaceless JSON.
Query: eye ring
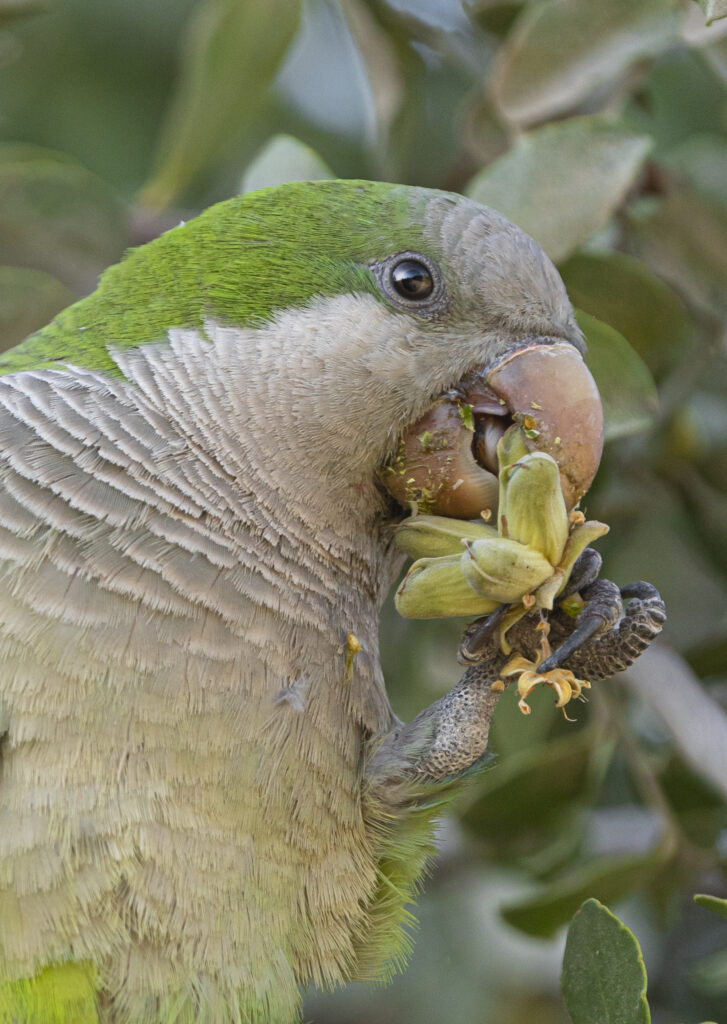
{"x":413,"y":281}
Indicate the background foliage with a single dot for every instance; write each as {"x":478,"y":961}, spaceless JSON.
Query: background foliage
{"x":600,"y":128}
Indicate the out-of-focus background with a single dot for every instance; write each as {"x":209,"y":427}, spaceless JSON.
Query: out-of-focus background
{"x":601,"y":129}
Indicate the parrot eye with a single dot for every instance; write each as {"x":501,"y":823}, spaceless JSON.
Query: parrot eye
{"x":412,"y":280}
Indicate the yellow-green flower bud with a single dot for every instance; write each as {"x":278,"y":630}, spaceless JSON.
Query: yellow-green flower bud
{"x":434,"y":588}
{"x":532,"y":509}
{"x":434,"y":536}
{"x":511,"y":447}
{"x":503,"y":570}
{"x":581,"y":536}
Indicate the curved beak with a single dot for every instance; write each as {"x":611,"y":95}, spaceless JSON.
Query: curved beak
{"x":551,"y":393}
{"x":447,"y":460}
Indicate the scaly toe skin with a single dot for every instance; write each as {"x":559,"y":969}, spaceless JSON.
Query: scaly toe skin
{"x":613,"y":651}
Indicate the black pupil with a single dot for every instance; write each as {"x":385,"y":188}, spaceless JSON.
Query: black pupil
{"x":412,"y":280}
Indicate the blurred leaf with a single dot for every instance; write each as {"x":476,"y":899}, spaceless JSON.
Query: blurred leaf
{"x":28,"y":300}
{"x":684,"y":239}
{"x":529,"y":788}
{"x":12,"y":9}
{"x":606,"y":878}
{"x":680,"y":96}
{"x":561,"y":51}
{"x":17,"y":152}
{"x":562,"y":182}
{"x":425,"y":135}
{"x":713,"y":9}
{"x":511,"y":731}
{"x":324,"y":77}
{"x":620,"y":291}
{"x":699,"y":725}
{"x":58,"y":217}
{"x":702,"y":162}
{"x":653,"y":538}
{"x":95,"y":79}
{"x":709,"y":509}
{"x":713,"y":903}
{"x":232,"y":53}
{"x":283,"y":159}
{"x":483,"y":131}
{"x":709,"y":659}
{"x":628,"y":392}
{"x":709,"y":974}
{"x":497,"y":18}
{"x":604,"y":978}
{"x":701,"y":811}
{"x":385,"y":78}
{"x":699,"y":430}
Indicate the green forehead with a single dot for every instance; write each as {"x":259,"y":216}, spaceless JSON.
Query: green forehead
{"x":238,"y":263}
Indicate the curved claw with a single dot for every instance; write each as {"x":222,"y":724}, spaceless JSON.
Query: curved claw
{"x":603,"y":611}
{"x":478,"y":636}
{"x":612,"y":649}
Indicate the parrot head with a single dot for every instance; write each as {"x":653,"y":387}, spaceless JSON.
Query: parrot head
{"x":331,"y":321}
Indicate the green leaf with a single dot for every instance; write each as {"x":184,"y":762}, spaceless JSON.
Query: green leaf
{"x":282,"y":159}
{"x":604,"y":978}
{"x":684,"y":239}
{"x":232,"y":54}
{"x":529,"y":788}
{"x":58,"y":217}
{"x":28,"y":300}
{"x":713,"y":9}
{"x":606,"y":878}
{"x":622,"y":292}
{"x":561,"y":51}
{"x":713,"y":903}
{"x":562,"y":182}
{"x":628,"y":392}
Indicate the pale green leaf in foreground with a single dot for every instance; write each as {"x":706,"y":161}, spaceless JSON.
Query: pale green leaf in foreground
{"x":713,"y":9}
{"x":561,"y":51}
{"x":604,"y":978}
{"x":628,"y":392}
{"x":562,"y":182}
{"x":282,"y":159}
{"x":233,"y":52}
{"x":713,"y":903}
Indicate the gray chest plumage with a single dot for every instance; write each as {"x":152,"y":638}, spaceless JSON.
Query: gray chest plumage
{"x":182,"y":757}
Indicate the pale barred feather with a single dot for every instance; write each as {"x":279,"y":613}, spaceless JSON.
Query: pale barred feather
{"x":148,"y":772}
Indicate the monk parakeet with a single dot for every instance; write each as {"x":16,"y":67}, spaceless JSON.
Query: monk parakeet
{"x":206,"y":801}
